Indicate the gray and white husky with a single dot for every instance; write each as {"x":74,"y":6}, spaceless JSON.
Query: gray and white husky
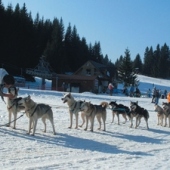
{"x":34,"y":111}
{"x":166,"y":108}
{"x":74,"y":108}
{"x":160,"y":114}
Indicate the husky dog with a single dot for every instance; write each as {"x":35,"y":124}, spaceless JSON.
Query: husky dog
{"x":91,"y":111}
{"x":35,"y":111}
{"x":160,"y":114}
{"x":138,"y":112}
{"x":13,"y":107}
{"x":74,"y":108}
{"x":166,"y":108}
{"x":119,"y":109}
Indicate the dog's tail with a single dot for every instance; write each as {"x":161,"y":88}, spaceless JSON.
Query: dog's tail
{"x":104,"y":104}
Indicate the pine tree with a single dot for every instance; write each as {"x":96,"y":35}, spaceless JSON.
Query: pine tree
{"x":148,"y":62}
{"x":137,"y":64}
{"x":156,"y":62}
{"x":164,"y":62}
{"x":125,"y":72}
{"x":54,"y":49}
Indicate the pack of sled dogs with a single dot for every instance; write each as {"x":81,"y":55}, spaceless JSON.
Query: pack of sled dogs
{"x":87,"y":110}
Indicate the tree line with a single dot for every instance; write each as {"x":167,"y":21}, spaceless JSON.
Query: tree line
{"x":24,"y":40}
{"x":155,"y":64}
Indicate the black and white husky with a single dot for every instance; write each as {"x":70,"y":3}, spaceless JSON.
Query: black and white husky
{"x":118,"y":109}
{"x":138,"y":112}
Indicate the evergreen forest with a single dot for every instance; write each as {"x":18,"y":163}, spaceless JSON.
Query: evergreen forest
{"x":24,"y":40}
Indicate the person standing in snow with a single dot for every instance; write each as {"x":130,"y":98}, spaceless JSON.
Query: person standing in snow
{"x":165,"y":94}
{"x":149,"y":93}
{"x":153,"y":95}
{"x":157,"y":96}
{"x":168,"y":97}
{"x":110,"y":87}
{"x":131,"y":91}
{"x":7,"y":81}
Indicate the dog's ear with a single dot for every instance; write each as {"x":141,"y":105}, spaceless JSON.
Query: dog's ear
{"x":27,"y":98}
{"x":69,"y":95}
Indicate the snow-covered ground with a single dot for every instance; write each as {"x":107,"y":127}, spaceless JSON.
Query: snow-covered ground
{"x":120,"y":147}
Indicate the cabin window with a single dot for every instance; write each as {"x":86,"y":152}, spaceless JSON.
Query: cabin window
{"x":88,"y":72}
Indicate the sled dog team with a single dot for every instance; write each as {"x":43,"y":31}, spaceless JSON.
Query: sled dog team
{"x":87,"y":110}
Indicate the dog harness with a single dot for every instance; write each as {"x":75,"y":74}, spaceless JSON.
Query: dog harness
{"x":15,"y":102}
{"x":35,"y":110}
{"x":75,"y":105}
{"x":13,"y":90}
{"x":72,"y":110}
{"x":91,"y":111}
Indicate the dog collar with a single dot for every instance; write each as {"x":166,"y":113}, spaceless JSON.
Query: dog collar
{"x":72,"y":110}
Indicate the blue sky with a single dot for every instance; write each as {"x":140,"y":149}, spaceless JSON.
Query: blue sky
{"x":116,"y":24}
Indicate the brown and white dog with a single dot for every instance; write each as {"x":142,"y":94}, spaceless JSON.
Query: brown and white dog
{"x":91,"y":111}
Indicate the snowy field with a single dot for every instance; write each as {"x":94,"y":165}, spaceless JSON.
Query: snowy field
{"x":119,"y":148}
